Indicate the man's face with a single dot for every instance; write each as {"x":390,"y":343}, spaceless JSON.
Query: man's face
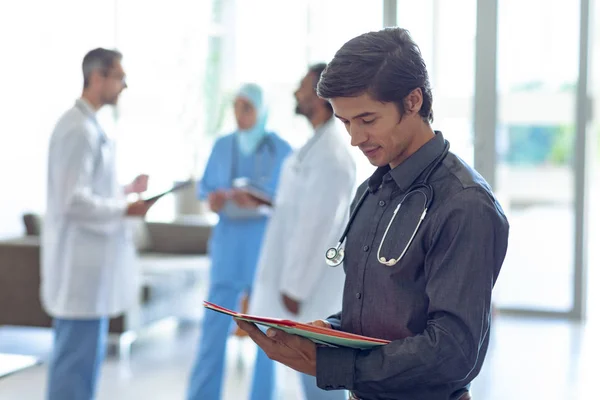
{"x":113,"y":83}
{"x":377,"y":128}
{"x":306,"y":97}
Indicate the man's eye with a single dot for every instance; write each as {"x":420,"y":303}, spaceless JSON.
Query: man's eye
{"x":367,"y":122}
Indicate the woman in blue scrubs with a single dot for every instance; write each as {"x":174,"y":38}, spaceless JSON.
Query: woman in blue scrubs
{"x":254,"y":155}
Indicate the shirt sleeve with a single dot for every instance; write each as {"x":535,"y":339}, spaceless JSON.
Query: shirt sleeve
{"x":74,"y":167}
{"x":210,"y":179}
{"x":282,"y":152}
{"x":335,"y":320}
{"x":460,"y":276}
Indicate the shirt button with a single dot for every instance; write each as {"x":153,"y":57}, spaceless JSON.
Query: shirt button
{"x":366,"y":248}
{"x":358,"y":295}
{"x":381,"y":203}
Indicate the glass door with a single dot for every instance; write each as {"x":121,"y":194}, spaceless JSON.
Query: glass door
{"x":449,"y":52}
{"x":536,"y":169}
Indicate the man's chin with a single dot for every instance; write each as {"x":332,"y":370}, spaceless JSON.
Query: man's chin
{"x":377,"y":163}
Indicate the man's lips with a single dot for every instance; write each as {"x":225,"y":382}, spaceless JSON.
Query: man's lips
{"x":369,"y":151}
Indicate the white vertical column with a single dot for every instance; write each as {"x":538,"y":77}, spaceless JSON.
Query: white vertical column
{"x":485,"y":101}
{"x":582,"y":123}
{"x":390,"y":9}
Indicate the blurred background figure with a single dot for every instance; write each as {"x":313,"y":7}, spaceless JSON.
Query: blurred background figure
{"x":251,"y":156}
{"x":88,"y":257}
{"x":312,"y":205}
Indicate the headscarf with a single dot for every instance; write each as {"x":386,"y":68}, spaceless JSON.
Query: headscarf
{"x":249,"y":139}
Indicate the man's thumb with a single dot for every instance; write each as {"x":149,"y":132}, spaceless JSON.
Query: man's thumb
{"x":320,"y":323}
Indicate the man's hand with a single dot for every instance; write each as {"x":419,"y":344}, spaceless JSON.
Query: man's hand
{"x":244,"y":199}
{"x":139,"y":185}
{"x":294,"y":351}
{"x":139,"y":208}
{"x":290,"y":304}
{"x":321,"y":324}
{"x":216,"y":200}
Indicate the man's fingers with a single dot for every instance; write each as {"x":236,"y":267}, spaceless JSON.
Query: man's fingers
{"x":320,"y":323}
{"x":255,"y":334}
{"x":247,"y":326}
{"x":268,"y":343}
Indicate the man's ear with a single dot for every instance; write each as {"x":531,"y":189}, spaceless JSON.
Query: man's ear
{"x":414,"y":101}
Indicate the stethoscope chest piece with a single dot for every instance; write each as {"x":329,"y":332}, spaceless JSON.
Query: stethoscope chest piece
{"x":334,"y":256}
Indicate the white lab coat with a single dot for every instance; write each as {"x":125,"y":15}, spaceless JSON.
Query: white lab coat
{"x":310,"y":211}
{"x":88,"y":256}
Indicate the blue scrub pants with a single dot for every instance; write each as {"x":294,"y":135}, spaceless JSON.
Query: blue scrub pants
{"x":261,"y":391}
{"x":77,"y":355}
{"x":206,"y":379}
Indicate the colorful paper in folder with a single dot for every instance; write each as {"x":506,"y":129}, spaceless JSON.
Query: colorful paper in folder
{"x":324,"y":336}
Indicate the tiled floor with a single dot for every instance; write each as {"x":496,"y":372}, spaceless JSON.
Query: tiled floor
{"x":528,"y":359}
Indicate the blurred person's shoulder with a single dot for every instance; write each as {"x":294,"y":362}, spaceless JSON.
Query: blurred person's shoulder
{"x":224,"y":140}
{"x":73,"y":123}
{"x":280,"y":143}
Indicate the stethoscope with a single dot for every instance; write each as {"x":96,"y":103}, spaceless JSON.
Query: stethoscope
{"x":260,"y":174}
{"x":335,"y":255}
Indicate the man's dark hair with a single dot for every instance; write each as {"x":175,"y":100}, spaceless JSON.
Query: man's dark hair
{"x":98,"y":59}
{"x":386,"y":64}
{"x":317,"y":71}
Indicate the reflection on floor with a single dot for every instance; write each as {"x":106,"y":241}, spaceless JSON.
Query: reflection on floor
{"x":528,"y":359}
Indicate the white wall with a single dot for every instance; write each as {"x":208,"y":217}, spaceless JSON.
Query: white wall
{"x":42,"y":44}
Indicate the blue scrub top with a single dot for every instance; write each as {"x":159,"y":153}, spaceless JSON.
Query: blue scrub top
{"x":235,"y":244}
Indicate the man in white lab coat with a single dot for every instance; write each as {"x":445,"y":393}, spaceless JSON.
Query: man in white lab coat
{"x":88,"y":258}
{"x":311,"y":208}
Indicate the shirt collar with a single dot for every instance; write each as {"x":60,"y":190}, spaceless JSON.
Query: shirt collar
{"x":85,"y":107}
{"x":324,"y":126}
{"x":407,"y":173}
{"x":319,"y":132}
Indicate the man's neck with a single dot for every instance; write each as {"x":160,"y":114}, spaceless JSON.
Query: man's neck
{"x":92,"y":100}
{"x":423,"y":135}
{"x":319,"y":118}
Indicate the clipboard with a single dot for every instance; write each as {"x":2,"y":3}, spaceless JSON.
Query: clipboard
{"x":176,"y":187}
{"x":253,"y":190}
{"x":317,"y":334}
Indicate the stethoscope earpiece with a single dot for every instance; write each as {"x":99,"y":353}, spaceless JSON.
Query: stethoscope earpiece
{"x":389,"y":263}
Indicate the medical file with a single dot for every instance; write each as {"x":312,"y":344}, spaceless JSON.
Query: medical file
{"x":323,"y":336}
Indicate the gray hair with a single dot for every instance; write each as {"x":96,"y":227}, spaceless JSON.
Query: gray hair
{"x":98,"y":60}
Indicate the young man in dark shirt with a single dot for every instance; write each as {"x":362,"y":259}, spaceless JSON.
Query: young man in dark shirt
{"x":424,"y":248}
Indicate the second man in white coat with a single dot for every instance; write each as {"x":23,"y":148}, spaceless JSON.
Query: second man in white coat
{"x":311,"y":208}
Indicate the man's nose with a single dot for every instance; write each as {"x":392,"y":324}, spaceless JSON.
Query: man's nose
{"x":357,"y":135}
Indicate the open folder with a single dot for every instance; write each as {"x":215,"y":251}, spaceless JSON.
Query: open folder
{"x":324,"y":336}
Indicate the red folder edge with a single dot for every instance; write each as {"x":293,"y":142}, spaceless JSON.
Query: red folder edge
{"x":293,"y":324}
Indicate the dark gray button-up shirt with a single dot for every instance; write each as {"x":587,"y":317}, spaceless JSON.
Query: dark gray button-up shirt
{"x":434,"y":304}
